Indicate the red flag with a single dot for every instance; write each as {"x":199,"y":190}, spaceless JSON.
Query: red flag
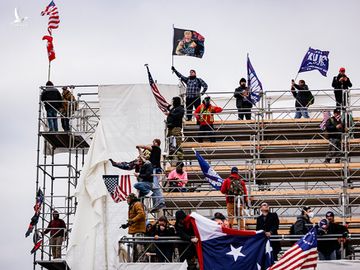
{"x":50,"y":47}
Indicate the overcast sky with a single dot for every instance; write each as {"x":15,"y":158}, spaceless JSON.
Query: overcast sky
{"x":103,"y":42}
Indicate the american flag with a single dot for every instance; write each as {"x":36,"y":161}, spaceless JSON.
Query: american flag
{"x":160,"y":100}
{"x":118,"y":191}
{"x":302,"y":255}
{"x":54,"y":20}
{"x":255,"y":86}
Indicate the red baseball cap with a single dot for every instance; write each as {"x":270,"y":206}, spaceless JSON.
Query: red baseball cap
{"x":342,"y":69}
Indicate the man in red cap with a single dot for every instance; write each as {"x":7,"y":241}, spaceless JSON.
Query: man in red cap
{"x":340,"y":83}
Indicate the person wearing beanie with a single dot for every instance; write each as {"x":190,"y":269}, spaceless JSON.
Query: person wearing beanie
{"x":193,"y":90}
{"x":232,"y":187}
{"x":186,"y":232}
{"x":303,"y":223}
{"x":341,"y":83}
{"x":174,"y":122}
{"x":52,"y":101}
{"x":204,"y":114}
{"x":334,"y":127}
{"x":243,"y":101}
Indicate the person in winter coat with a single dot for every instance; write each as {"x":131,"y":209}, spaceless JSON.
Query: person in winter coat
{"x":69,"y":107}
{"x":193,"y":90}
{"x":52,"y":100}
{"x":303,"y":223}
{"x":303,"y":98}
{"x":243,"y":101}
{"x":334,"y":128}
{"x":234,"y":186}
{"x":205,"y":116}
{"x":341,"y":83}
{"x":162,"y":229}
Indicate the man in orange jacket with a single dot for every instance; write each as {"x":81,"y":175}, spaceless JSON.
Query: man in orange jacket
{"x":234,"y":186}
{"x":205,"y":117}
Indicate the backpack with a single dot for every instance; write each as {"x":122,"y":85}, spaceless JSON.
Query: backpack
{"x":235,"y":187}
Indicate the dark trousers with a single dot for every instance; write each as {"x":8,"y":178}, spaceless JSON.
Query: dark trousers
{"x":244,"y":112}
{"x":190,"y":103}
{"x":206,"y":131}
{"x":65,"y":123}
{"x":341,"y":98}
{"x":334,"y":149}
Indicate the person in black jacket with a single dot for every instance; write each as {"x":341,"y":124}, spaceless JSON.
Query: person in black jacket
{"x":340,"y":83}
{"x":303,"y":223}
{"x":161,"y":229}
{"x":174,"y":122}
{"x":243,"y":102}
{"x":303,"y":98}
{"x":334,"y":128}
{"x":185,"y":231}
{"x":145,"y":178}
{"x":52,"y":100}
{"x":269,"y":222}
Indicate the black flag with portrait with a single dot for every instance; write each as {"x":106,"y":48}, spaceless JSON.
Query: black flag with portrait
{"x":188,"y":42}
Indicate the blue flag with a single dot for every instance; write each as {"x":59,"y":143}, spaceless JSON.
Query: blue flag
{"x":225,"y":248}
{"x":210,"y":175}
{"x":254,"y":84}
{"x":315,"y":59}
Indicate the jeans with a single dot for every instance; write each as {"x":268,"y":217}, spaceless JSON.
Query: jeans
{"x":301,"y":112}
{"x":190,"y":103}
{"x":327,"y":257}
{"x":157,"y":195}
{"x":143,"y":188}
{"x":52,"y":119}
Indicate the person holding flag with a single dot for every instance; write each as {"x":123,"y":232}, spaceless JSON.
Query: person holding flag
{"x":243,"y":102}
{"x":193,"y":90}
{"x":303,"y":97}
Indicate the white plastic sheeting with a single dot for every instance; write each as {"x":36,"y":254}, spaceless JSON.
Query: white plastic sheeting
{"x":337,"y":265}
{"x":153,"y":266}
{"x":129,"y":116}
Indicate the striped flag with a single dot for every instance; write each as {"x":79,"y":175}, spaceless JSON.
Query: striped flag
{"x":54,"y":20}
{"x":210,"y":174}
{"x":160,"y":100}
{"x":254,"y":84}
{"x":118,"y":191}
{"x":302,"y":255}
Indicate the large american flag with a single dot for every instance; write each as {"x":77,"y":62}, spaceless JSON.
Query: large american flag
{"x":160,"y":100}
{"x":118,"y":191}
{"x":302,"y":255}
{"x":54,"y":20}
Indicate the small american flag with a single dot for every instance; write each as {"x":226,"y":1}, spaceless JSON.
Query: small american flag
{"x":160,"y":100}
{"x":54,"y":20}
{"x":118,"y":191}
{"x":302,"y":255}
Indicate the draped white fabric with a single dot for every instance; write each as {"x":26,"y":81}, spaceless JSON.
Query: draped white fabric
{"x":129,"y":116}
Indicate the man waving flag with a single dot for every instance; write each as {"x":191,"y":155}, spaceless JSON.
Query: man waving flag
{"x":224,"y":248}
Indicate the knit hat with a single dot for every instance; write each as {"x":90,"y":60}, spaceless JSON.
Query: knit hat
{"x":234,"y":170}
{"x":329,"y":214}
{"x":242,"y":80}
{"x":324,"y":223}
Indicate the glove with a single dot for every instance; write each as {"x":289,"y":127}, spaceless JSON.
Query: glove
{"x":172,"y":68}
{"x":124,"y":226}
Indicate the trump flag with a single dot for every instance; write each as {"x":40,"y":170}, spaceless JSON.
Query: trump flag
{"x":223,"y":248}
{"x":315,"y":59}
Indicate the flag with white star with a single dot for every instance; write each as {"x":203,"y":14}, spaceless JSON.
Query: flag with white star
{"x":224,"y":248}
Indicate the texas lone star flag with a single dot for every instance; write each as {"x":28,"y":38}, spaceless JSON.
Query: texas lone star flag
{"x":224,"y":248}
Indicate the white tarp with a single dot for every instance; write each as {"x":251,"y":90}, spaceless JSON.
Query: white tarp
{"x":154,"y":266}
{"x":129,"y":116}
{"x":336,"y":265}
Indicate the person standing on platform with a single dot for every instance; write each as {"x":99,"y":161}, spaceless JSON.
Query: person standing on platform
{"x":341,"y":83}
{"x":205,"y":116}
{"x":52,"y":100}
{"x":69,"y":107}
{"x":57,"y":229}
{"x":155,"y":159}
{"x":136,"y":224}
{"x":174,"y":123}
{"x":269,"y":223}
{"x":164,"y":229}
{"x":303,"y":223}
{"x":334,"y":128}
{"x":243,"y":102}
{"x":234,"y":186}
{"x":193,"y":90}
{"x":304,"y":98}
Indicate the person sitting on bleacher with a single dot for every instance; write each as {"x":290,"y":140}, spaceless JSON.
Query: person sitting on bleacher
{"x":303,"y":223}
{"x":178,"y":178}
{"x":234,"y":186}
{"x":204,"y":114}
{"x":334,"y":128}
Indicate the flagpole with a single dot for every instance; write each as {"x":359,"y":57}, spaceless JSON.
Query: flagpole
{"x":49,"y":68}
{"x":172,"y":55}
